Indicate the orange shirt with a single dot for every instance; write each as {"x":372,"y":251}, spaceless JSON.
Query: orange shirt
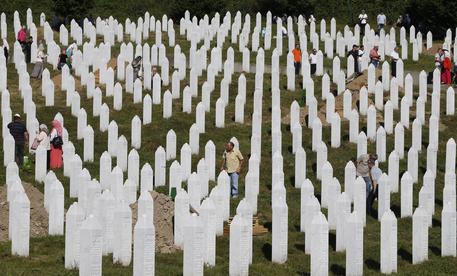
{"x":297,"y":55}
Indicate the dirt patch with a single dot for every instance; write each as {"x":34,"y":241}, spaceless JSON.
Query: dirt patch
{"x":432,"y":51}
{"x":339,"y":105}
{"x":163,"y":221}
{"x":57,"y":79}
{"x":38,"y":214}
{"x":362,"y":80}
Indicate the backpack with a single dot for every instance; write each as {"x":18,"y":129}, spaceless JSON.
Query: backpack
{"x":57,"y":142}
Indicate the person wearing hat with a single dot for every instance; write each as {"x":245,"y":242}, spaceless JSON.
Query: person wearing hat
{"x":21,"y":137}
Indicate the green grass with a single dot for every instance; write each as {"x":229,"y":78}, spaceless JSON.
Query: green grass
{"x":47,"y":253}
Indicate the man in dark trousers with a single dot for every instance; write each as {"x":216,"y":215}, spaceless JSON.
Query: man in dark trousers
{"x":21,"y":137}
{"x":28,"y":49}
{"x":355,"y":55}
{"x":297,"y":59}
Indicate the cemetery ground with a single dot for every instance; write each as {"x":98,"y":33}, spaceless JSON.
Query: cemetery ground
{"x":47,"y":252}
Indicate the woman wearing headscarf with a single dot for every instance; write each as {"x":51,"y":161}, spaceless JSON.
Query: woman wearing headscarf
{"x":446,"y":69}
{"x":55,"y":137}
{"x":71,"y":50}
{"x":43,"y":139}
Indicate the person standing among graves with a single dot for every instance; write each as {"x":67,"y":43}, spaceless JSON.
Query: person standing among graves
{"x":361,"y":53}
{"x":394,"y":56}
{"x":62,"y":60}
{"x":381,"y":20}
{"x":313,"y":61}
{"x":6,"y":49}
{"x":43,"y":139}
{"x":311,"y":19}
{"x":232,"y":161}
{"x":22,"y":36}
{"x":375,"y":58}
{"x":39,"y":61}
{"x":21,"y":137}
{"x":406,"y":22}
{"x":355,"y":55}
{"x":55,"y":138}
{"x":363,"y":169}
{"x":363,"y":19}
{"x":297,"y":58}
{"x":446,"y":69}
{"x":153,"y":73}
{"x":71,"y":50}
{"x":399,"y":22}
{"x":375,"y":174}
{"x":28,"y":49}
{"x":439,"y":58}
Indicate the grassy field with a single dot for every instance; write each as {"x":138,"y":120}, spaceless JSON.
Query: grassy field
{"x":47,"y":253}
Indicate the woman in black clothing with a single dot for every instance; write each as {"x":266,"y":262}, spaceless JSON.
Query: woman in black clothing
{"x":62,"y":59}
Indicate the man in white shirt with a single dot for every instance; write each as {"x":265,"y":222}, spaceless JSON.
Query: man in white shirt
{"x":363,"y":19}
{"x":395,"y":57}
{"x":381,"y":19}
{"x":313,"y":61}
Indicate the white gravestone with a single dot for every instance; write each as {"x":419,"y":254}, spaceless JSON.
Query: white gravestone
{"x":144,"y":247}
{"x":91,"y":243}
{"x":388,"y":241}
{"x":319,"y":245}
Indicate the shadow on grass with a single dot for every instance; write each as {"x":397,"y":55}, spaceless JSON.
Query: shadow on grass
{"x":292,"y":180}
{"x":436,"y":223}
{"x":268,"y":226}
{"x":266,"y":250}
{"x":332,"y":240}
{"x":439,"y":202}
{"x":372,"y":264}
{"x":396,"y":209}
{"x":300,"y":246}
{"x":435,"y":250}
{"x":337,"y":269}
{"x":405,"y":255}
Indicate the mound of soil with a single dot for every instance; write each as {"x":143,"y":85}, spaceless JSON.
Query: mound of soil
{"x":38,"y":214}
{"x":163,"y":221}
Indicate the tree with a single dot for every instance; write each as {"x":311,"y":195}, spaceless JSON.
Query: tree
{"x":73,"y":9}
{"x":196,"y":8}
{"x":433,"y":15}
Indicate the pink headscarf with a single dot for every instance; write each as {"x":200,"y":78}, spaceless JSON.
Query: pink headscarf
{"x":58,"y":126}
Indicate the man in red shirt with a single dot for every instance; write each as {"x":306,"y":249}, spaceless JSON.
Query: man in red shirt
{"x":374,"y":56}
{"x":297,"y":59}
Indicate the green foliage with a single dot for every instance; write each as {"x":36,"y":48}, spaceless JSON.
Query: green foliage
{"x":197,"y":8}
{"x":289,"y":7}
{"x":73,"y":9}
{"x":436,"y":16}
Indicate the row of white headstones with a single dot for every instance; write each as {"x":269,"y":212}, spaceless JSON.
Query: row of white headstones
{"x":126,"y":192}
